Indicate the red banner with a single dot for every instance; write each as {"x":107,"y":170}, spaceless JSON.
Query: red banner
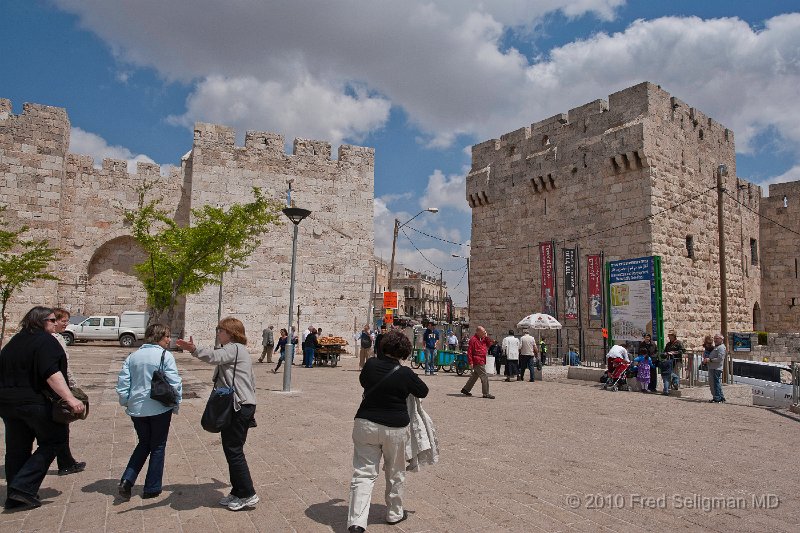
{"x":548,"y":280}
{"x":595,"y":286}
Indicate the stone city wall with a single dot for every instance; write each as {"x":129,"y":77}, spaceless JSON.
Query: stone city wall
{"x":77,"y":207}
{"x":780,"y":253}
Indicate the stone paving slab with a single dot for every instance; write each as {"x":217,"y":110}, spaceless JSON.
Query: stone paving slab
{"x":552,"y":456}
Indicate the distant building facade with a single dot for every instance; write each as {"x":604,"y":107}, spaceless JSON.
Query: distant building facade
{"x":419,"y":295}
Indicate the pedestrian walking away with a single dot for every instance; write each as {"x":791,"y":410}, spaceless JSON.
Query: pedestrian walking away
{"x":33,"y":369}
{"x":66,"y":463}
{"x":511,"y":351}
{"x":380,"y":430}
{"x":151,"y":418}
{"x":232,"y":356}
{"x":365,"y":344}
{"x":268,"y":342}
{"x":476,"y":356}
{"x":527,"y":356}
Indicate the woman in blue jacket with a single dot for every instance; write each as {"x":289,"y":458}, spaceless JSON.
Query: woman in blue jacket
{"x":151,"y":418}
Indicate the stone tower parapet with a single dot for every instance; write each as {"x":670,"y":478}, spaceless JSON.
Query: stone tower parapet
{"x":599,"y":176}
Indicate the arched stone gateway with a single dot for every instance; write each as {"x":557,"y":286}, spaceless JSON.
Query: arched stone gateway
{"x":112,"y":285}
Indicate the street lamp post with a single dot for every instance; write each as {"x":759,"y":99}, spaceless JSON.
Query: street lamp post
{"x":469,"y":315}
{"x":296,"y":215}
{"x":397,"y":226}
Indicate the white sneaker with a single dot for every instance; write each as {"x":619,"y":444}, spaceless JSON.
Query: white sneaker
{"x":226,"y":501}
{"x":241,"y":503}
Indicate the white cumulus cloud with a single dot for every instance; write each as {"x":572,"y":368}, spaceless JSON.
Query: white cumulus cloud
{"x":87,"y":143}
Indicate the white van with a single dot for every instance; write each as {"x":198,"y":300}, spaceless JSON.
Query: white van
{"x":127,"y":328}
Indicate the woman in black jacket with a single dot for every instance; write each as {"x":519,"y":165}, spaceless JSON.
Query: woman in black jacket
{"x":380,"y":430}
{"x":33,"y":369}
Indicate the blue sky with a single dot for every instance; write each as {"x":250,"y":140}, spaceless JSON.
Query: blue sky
{"x":421,"y":81}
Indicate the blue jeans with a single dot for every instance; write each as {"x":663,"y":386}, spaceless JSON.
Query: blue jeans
{"x":666,"y":378}
{"x":527,"y":362}
{"x":25,"y":471}
{"x":152,"y":432}
{"x":430,"y":359}
{"x":308,"y":357}
{"x":715,"y":381}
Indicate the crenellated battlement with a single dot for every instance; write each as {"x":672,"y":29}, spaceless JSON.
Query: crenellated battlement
{"x":268,"y":146}
{"x":40,"y":128}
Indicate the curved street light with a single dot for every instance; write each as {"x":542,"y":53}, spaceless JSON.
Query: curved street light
{"x":397,"y":226}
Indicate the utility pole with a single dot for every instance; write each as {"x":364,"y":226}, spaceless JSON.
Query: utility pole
{"x":722,"y":170}
{"x":394,"y":247}
{"x":441,"y":296}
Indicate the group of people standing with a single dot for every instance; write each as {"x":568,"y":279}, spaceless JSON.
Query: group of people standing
{"x":35,"y":375}
{"x":520,"y":354}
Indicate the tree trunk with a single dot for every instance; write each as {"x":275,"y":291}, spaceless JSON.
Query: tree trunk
{"x":3,"y":327}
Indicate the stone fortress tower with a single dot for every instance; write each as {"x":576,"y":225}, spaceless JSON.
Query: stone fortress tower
{"x":63,"y":198}
{"x":598,"y":176}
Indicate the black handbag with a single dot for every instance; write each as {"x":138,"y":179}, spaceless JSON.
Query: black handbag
{"x":160,"y":389}
{"x":62,"y":414}
{"x":219,"y":407}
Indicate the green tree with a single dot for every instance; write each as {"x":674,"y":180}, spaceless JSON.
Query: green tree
{"x":182,"y":260}
{"x":22,"y":262}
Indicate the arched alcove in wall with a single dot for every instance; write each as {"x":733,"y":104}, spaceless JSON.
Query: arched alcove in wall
{"x":757,"y":323}
{"x":112,"y":285}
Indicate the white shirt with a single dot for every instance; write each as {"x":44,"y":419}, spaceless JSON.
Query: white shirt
{"x":452,"y":340}
{"x":511,"y":348}
{"x":618,"y":351}
{"x":528,"y":345}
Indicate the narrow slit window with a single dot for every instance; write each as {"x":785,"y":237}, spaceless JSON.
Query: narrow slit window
{"x":690,"y":246}
{"x":753,"y":252}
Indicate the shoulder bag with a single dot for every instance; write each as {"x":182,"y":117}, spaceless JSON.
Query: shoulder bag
{"x":160,"y":389}
{"x":219,"y":408}
{"x":62,"y":413}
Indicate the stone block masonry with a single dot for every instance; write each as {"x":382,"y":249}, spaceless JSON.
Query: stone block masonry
{"x":632,"y":176}
{"x":65,"y":199}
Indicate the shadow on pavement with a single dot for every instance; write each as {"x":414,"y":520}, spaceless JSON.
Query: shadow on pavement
{"x":332,"y":513}
{"x":178,"y":496}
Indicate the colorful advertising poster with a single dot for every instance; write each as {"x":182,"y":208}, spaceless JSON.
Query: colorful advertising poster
{"x":741,"y":342}
{"x":548,"y":282}
{"x":595,"y":277}
{"x":570,"y":297}
{"x":634,"y":309}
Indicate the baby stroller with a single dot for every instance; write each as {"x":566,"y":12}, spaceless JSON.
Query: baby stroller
{"x":617,"y":374}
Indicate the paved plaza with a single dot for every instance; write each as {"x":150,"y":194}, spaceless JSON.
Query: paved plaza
{"x":548,"y":456}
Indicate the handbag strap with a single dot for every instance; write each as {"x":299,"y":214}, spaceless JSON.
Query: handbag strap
{"x":372,"y":389}
{"x":216,"y":372}
{"x":161,"y":365}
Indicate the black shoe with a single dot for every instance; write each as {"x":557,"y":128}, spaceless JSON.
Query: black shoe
{"x":466,"y":393}
{"x":148,"y":495}
{"x":124,"y":489}
{"x":72,"y":469}
{"x":405,"y":516}
{"x":356,"y":529}
{"x":24,"y":498}
{"x":488,"y":396}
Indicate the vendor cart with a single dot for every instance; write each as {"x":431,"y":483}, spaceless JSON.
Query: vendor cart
{"x":444,"y":359}
{"x":329,"y":351}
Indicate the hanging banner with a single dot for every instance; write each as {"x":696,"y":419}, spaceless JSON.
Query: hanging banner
{"x":548,"y":281}
{"x":635,"y":296}
{"x":595,"y":286}
{"x":570,"y":297}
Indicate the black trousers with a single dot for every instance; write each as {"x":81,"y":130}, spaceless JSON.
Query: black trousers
{"x":233,"y":439}
{"x":25,"y":468}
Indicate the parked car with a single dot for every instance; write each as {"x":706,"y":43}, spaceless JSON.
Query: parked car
{"x":771,"y":382}
{"x":128,"y":328}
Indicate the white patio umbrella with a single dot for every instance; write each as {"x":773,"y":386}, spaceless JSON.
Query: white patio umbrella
{"x":539,"y":321}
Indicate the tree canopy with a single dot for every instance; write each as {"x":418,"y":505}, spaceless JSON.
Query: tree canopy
{"x":183,"y":259}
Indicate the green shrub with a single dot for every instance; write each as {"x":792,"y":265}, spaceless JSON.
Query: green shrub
{"x":762,"y":338}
